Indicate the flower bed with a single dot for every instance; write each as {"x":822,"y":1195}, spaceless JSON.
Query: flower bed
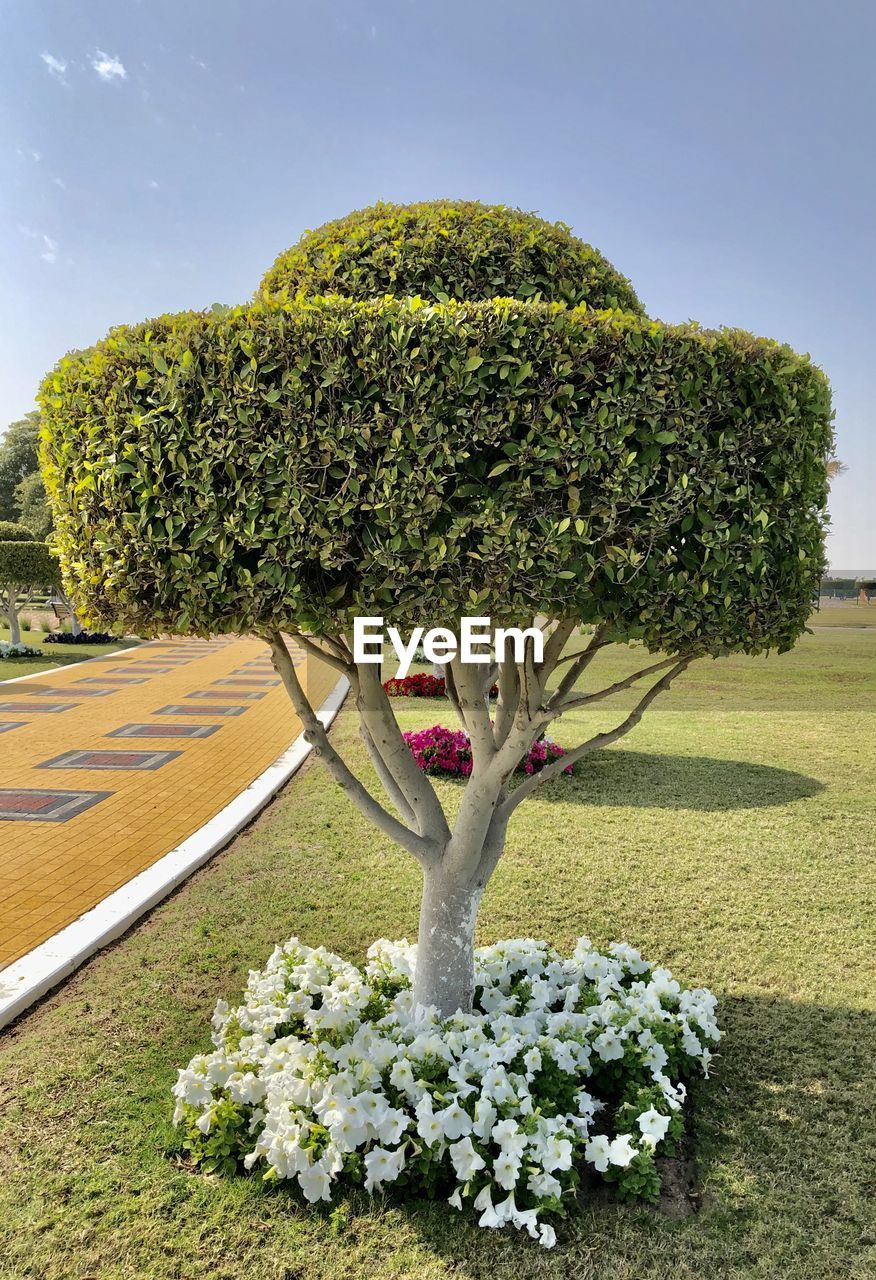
{"x":328,"y":1074}
{"x":447,"y":752}
{"x":8,"y":650}
{"x":422,"y":685}
{"x":84,"y":637}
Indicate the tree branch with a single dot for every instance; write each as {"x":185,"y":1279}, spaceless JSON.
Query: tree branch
{"x":452,"y":693}
{"x":581,"y":661}
{"x":389,"y":784}
{"x":475,"y":709}
{"x":423,"y":850}
{"x":595,"y":743}
{"x":311,"y":644}
{"x":584,"y":699}
{"x":378,"y":720}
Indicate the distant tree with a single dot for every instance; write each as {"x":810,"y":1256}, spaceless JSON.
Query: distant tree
{"x":24,"y":566}
{"x":33,"y":505}
{"x":18,"y":458}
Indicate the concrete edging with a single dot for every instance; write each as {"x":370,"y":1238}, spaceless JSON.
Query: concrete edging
{"x":34,"y":974}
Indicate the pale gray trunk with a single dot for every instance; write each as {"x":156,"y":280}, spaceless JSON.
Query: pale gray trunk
{"x":452,"y":892}
{"x":445,"y":952}
{"x":14,"y":628}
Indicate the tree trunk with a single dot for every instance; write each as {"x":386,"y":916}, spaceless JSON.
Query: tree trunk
{"x":14,"y":628}
{"x":445,"y":953}
{"x":452,"y":894}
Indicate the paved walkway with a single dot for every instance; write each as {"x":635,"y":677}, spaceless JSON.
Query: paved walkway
{"x":107,"y":766}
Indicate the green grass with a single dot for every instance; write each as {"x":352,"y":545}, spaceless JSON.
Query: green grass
{"x":54,"y":655}
{"x":732,"y":837}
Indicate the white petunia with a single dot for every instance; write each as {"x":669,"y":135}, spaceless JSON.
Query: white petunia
{"x":621,"y":1151}
{"x":653,"y":1126}
{"x":454,"y":1120}
{"x":383,"y":1166}
{"x":508,"y":1135}
{"x":314,"y":1182}
{"x":506,"y":1168}
{"x":597,"y":1151}
{"x":466,"y":1161}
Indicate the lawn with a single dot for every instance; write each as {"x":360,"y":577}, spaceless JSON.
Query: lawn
{"x":54,"y":655}
{"x":731,"y":836}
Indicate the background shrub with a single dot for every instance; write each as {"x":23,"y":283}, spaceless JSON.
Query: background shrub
{"x":12,"y":532}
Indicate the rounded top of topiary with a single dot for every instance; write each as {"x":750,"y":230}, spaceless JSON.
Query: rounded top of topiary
{"x":450,"y":249}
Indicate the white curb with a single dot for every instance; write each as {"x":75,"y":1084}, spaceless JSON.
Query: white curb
{"x":25,"y":980}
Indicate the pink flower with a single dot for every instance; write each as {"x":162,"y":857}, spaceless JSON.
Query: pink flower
{"x":447,"y":752}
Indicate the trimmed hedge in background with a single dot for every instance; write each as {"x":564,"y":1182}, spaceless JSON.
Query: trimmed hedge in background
{"x":24,"y":565}
{"x":12,"y":532}
{"x":305,"y":460}
{"x":445,"y":249}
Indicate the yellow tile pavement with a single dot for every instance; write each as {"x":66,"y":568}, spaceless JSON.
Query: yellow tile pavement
{"x":53,"y":871}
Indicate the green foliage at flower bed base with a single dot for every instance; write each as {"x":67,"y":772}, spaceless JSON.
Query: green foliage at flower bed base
{"x":326,"y":1075}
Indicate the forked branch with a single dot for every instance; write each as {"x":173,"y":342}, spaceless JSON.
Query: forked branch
{"x":596,"y":743}
{"x":314,"y":732}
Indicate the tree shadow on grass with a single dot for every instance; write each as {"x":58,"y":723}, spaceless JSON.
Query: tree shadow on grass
{"x":638,"y":779}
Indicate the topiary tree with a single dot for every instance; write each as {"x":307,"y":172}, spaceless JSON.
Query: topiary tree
{"x":381,"y":433}
{"x":23,"y":566}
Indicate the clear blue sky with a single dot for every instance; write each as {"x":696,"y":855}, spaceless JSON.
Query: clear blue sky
{"x":157,"y":155}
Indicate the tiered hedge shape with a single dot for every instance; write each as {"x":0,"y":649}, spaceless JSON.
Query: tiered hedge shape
{"x":312,"y":458}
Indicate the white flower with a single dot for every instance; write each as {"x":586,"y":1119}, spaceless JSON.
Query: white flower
{"x":506,"y":1167}
{"x":621,"y":1151}
{"x":455,"y":1085}
{"x":429,"y":1127}
{"x":510,"y":1137}
{"x":484,"y":1205}
{"x":542,"y":1185}
{"x":454,"y":1120}
{"x":485,"y":1116}
{"x":314,"y":1182}
{"x":547,"y":1237}
{"x":653,"y":1126}
{"x":597,"y":1151}
{"x":557,"y":1154}
{"x":609,"y":1045}
{"x":466,"y":1160}
{"x":383,"y":1166}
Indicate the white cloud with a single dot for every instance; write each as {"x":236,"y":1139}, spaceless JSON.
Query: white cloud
{"x":108,"y":68}
{"x":50,"y":247}
{"x":59,"y":182}
{"x":153,"y":185}
{"x":199,"y":63}
{"x":25,"y":153}
{"x":56,"y":66}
